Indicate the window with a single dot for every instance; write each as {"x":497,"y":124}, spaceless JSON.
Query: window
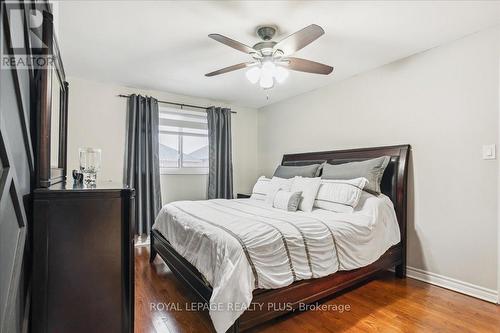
{"x":183,"y":142}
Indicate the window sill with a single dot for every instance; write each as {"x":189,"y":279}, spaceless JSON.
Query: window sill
{"x":184,"y":171}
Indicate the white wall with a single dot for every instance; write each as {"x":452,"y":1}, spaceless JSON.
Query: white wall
{"x":443,"y":102}
{"x":97,"y":118}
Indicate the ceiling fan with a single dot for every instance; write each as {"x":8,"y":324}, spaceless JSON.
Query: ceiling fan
{"x":272,"y":59}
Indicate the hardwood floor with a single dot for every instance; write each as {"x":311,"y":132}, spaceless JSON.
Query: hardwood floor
{"x":383,"y":305}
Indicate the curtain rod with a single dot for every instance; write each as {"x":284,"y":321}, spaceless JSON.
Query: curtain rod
{"x":179,"y":104}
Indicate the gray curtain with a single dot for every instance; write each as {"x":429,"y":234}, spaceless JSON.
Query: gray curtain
{"x":220,"y":173}
{"x":142,"y":165}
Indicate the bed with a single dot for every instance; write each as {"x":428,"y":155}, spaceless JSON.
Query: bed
{"x":252,"y":263}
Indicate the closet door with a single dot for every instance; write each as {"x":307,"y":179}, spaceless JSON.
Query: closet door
{"x":16,"y":169}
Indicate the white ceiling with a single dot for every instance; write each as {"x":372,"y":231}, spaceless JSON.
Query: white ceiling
{"x":163,"y":45}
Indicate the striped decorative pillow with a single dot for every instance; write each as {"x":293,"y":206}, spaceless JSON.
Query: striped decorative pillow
{"x":265,"y":186}
{"x":340,"y":196}
{"x":261,"y":188}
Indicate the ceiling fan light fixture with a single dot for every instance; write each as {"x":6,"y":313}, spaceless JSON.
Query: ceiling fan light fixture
{"x":253,"y":74}
{"x":268,"y":68}
{"x":266,"y":74}
{"x":266,"y":80}
{"x":280,"y":74}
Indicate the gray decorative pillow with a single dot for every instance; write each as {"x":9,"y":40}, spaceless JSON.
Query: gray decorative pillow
{"x":286,"y":200}
{"x":285,"y":171}
{"x":372,"y":170}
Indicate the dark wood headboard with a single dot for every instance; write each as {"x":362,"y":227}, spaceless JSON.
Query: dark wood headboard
{"x":394,"y":181}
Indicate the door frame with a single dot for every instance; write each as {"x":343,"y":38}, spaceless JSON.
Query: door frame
{"x":498,"y":190}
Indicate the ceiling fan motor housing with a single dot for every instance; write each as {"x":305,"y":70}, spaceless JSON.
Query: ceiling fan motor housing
{"x":266,"y":33}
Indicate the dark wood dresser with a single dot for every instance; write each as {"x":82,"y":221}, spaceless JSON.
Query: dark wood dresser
{"x":83,"y":259}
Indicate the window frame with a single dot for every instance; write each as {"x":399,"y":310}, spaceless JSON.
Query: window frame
{"x":181,"y":170}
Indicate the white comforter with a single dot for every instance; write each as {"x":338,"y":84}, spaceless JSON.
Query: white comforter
{"x":241,"y":245}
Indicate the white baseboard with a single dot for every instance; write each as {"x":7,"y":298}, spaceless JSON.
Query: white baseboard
{"x":466,"y":288}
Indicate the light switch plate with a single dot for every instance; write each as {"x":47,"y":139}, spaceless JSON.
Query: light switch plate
{"x":489,"y":152}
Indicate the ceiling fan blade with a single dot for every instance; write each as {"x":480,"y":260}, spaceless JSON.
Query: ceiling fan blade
{"x":230,"y":68}
{"x":300,"y":39}
{"x":303,"y":65}
{"x":232,"y":43}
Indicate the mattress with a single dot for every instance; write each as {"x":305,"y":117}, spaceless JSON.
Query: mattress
{"x":241,"y":245}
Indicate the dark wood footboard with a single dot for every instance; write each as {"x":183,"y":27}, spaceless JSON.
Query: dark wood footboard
{"x":267,"y":303}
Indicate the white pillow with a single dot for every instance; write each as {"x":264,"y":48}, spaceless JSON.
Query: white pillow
{"x":309,"y":188}
{"x":277,"y":184}
{"x":286,"y":200}
{"x":264,"y":186}
{"x":282,"y":183}
{"x":261,"y":188}
{"x":340,"y":196}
